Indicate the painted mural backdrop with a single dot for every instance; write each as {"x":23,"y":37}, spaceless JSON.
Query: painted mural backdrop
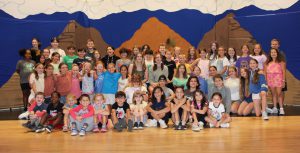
{"x":125,"y":23}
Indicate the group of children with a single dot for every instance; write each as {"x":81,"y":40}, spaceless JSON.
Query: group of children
{"x":85,"y":92}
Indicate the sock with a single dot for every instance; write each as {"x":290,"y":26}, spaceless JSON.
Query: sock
{"x":177,"y":123}
{"x":183,"y":123}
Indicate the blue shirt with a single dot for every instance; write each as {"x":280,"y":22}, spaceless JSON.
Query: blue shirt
{"x":99,"y":83}
{"x":110,"y":82}
{"x":261,"y":84}
{"x":203,"y":85}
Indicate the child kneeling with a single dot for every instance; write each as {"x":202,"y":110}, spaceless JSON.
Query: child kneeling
{"x":82,"y":116}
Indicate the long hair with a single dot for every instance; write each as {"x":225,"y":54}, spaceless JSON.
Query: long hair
{"x":35,"y":72}
{"x":234,"y":56}
{"x":184,"y":73}
{"x":260,"y":53}
{"x":189,"y":80}
{"x":190,"y":57}
{"x":213,"y":51}
{"x":255,"y":75}
{"x":155,"y":64}
{"x":163,"y":97}
{"x":203,"y":100}
{"x":136,"y":94}
{"x":134,"y":68}
{"x":244,"y":87}
{"x":46,"y":67}
{"x":278,"y":58}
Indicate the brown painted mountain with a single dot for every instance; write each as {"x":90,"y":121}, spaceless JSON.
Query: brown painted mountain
{"x":73,"y":34}
{"x":229,"y":33}
{"x":154,"y":32}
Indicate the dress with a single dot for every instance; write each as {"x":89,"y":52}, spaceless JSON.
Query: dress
{"x":274,"y":75}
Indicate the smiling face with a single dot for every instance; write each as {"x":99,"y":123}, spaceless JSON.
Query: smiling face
{"x":245,"y":50}
{"x":54,"y":98}
{"x":198,"y":96}
{"x":97,"y":54}
{"x":39,"y":99}
{"x":203,"y":54}
{"x":218,"y":82}
{"x":216,"y":99}
{"x":90,"y":45}
{"x":35,"y":43}
{"x":46,"y":53}
{"x":138,"y":99}
{"x":27,"y":54}
{"x":274,"y":44}
{"x":54,"y":44}
{"x":63,"y":69}
{"x":158,"y":93}
{"x":221,"y":52}
{"x":75,"y":70}
{"x":123,"y":71}
{"x":162,"y":50}
{"x":257,"y":49}
{"x":111,"y":68}
{"x":99,"y":100}
{"x":39,"y":68}
{"x":253,"y":64}
{"x":157,"y":58}
{"x":100,"y":67}
{"x":179,"y":93}
{"x":71,"y":101}
{"x":273,"y":54}
{"x":212,"y":71}
{"x":193,"y":83}
{"x":49,"y":70}
{"x":197,"y":71}
{"x":56,"y":58}
{"x":110,"y":51}
{"x":232,"y":72}
{"x":231,"y":52}
{"x":244,"y":73}
{"x":85,"y":101}
{"x":120,"y":100}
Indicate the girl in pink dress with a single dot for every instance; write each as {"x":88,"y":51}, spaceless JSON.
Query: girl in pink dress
{"x":275,"y":69}
{"x":76,"y":78}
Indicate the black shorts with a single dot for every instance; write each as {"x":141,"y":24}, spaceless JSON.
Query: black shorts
{"x":201,"y":117}
{"x":25,"y":86}
{"x":165,"y":118}
{"x":285,"y":88}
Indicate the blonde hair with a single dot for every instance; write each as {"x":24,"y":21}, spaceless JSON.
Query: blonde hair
{"x":70,"y":96}
{"x":99,"y":95}
{"x":136,"y":94}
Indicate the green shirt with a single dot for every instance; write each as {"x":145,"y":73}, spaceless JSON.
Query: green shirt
{"x":69,"y":60}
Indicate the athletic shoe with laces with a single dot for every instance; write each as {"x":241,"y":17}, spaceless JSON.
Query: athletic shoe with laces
{"x":264,"y":115}
{"x":176,"y":127}
{"x":103,"y":129}
{"x":225,"y":125}
{"x":135,"y":126}
{"x":183,"y":127}
{"x":96,"y":129}
{"x":74,"y":132}
{"x":118,"y":127}
{"x":281,"y":112}
{"x":195,"y":128}
{"x":275,"y":110}
{"x":162,"y":124}
{"x":269,"y":110}
{"x":40,"y":129}
{"x":130,"y":125}
{"x":141,"y":125}
{"x":82,"y":132}
{"x":49,"y":128}
{"x":154,"y":123}
{"x":201,"y":125}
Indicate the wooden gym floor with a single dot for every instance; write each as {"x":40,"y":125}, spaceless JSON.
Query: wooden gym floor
{"x":246,"y":134}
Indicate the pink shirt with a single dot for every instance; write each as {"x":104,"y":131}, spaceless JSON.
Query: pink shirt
{"x":75,"y":87}
{"x":204,"y":66}
{"x":79,"y":111}
{"x":63,"y":84}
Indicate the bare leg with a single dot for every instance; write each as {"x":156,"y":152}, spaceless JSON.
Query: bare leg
{"x":242,"y":107}
{"x":248,"y":109}
{"x":234,"y":107}
{"x":256,"y":103}
{"x":263,"y":96}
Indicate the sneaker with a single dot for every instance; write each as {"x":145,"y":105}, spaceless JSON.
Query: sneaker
{"x":177,"y":127}
{"x":49,"y":128}
{"x":183,"y":127}
{"x":275,"y":110}
{"x":162,"y":124}
{"x":211,"y":125}
{"x":103,"y":129}
{"x":26,"y":125}
{"x":123,"y":123}
{"x":40,"y":129}
{"x":281,"y":111}
{"x":82,"y":132}
{"x":118,"y":127}
{"x":130,"y":125}
{"x":74,"y":132}
{"x":96,"y":129}
{"x":201,"y":125}
{"x":265,"y":115}
{"x":65,"y":129}
{"x":135,"y":126}
{"x":24,"y":116}
{"x":154,"y":123}
{"x":195,"y":128}
{"x":225,"y":125}
{"x":141,"y":125}
{"x":269,"y":110}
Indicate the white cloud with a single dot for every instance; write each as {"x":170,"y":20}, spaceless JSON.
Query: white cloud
{"x":96,"y":9}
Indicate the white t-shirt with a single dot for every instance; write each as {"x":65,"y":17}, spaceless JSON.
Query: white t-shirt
{"x":130,"y":90}
{"x":39,"y":84}
{"x":220,"y":63}
{"x":216,"y":112}
{"x":261,"y":60}
{"x":55,"y":68}
{"x":60,"y":52}
{"x":234,"y":85}
{"x":122,"y":83}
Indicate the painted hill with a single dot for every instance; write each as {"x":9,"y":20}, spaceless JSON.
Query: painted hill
{"x":154,"y":32}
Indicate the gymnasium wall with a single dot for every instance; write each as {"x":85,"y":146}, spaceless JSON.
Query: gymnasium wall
{"x":127,"y":23}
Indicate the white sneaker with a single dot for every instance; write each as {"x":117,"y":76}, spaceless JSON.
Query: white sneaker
{"x":148,"y":123}
{"x":162,"y":124}
{"x":275,"y":110}
{"x":225,"y":125}
{"x":211,"y":125}
{"x":153,"y":123}
{"x":195,"y":128}
{"x":269,"y":110}
{"x":201,"y":124}
{"x":265,"y":115}
{"x":281,"y":111}
{"x":24,"y":115}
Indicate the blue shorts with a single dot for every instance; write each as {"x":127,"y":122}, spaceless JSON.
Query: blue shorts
{"x":248,"y":99}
